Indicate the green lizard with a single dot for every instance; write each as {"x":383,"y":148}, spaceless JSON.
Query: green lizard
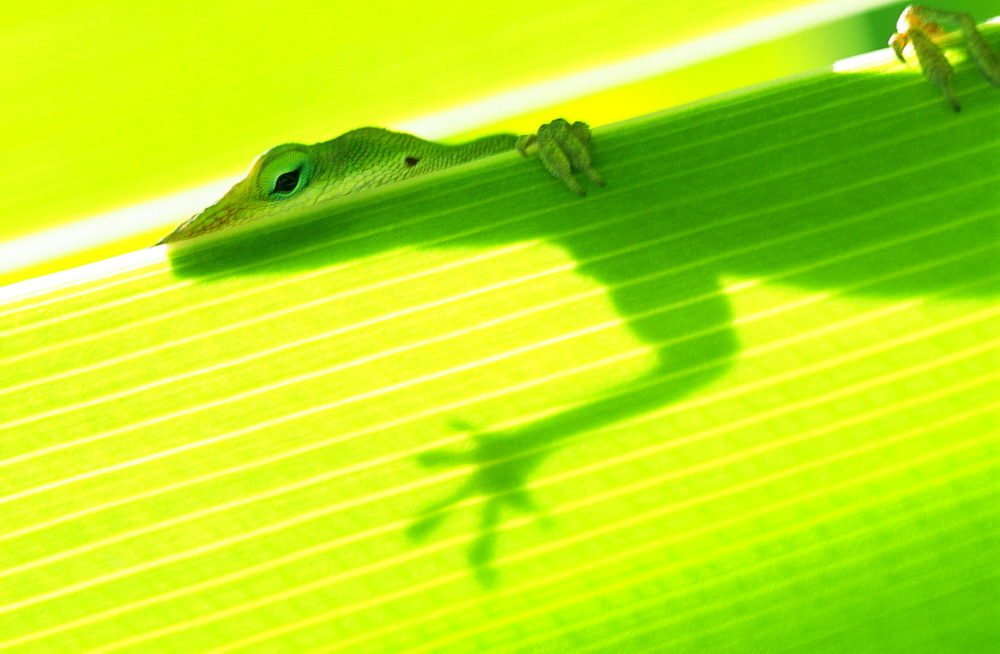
{"x":683,"y":312}
{"x":296,"y":175}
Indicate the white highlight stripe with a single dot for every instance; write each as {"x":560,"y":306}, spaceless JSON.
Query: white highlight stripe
{"x":108,"y":228}
{"x":75,"y":276}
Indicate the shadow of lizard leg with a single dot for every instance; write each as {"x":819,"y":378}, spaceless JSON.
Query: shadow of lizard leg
{"x":694,"y":343}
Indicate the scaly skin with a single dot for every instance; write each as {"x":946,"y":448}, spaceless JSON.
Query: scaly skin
{"x":293,"y":175}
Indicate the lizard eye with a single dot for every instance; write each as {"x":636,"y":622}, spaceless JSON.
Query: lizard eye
{"x":287,"y":182}
{"x":284,"y":175}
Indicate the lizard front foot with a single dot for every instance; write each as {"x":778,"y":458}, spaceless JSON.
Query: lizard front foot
{"x":920,"y":26}
{"x":563,"y":149}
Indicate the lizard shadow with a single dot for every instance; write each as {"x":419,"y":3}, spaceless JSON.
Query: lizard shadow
{"x":663,"y":270}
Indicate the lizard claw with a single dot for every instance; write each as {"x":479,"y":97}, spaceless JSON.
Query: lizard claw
{"x":919,"y":26}
{"x":563,"y":149}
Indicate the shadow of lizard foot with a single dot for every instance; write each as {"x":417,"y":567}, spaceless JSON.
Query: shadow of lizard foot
{"x":502,"y":462}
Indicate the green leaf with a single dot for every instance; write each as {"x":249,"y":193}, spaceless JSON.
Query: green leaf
{"x":743,"y":396}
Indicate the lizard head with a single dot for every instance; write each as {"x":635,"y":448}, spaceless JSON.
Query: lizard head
{"x":278,"y":180}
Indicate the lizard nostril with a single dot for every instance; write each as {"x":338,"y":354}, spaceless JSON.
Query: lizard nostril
{"x":411,"y":162}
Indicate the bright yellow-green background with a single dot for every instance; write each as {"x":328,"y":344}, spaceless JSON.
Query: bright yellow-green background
{"x":106,"y":104}
{"x":225,"y":450}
